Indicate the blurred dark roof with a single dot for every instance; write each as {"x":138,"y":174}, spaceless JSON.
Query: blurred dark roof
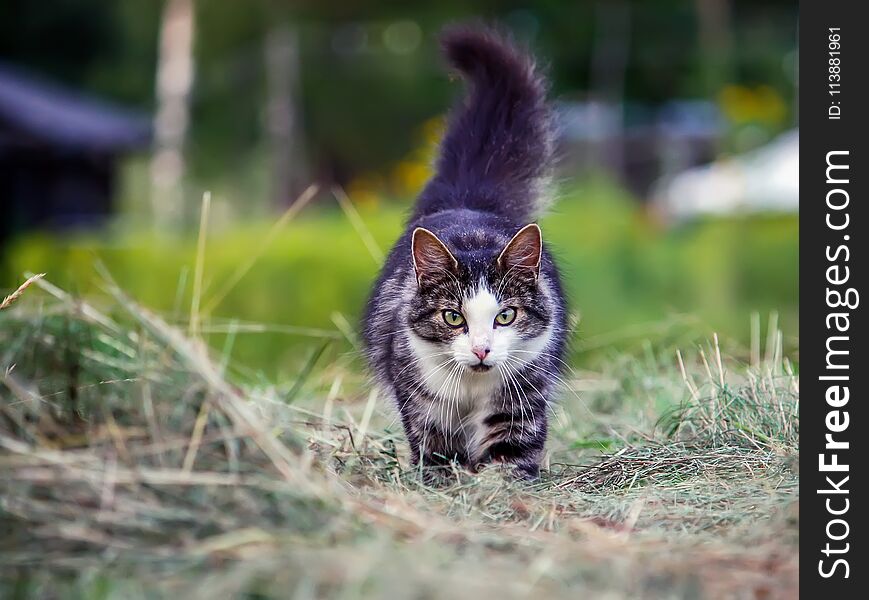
{"x":34,"y":112}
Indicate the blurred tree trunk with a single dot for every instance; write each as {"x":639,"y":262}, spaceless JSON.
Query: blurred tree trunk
{"x":175,"y":71}
{"x":716,"y":42}
{"x":286,"y":150}
{"x":609,"y":60}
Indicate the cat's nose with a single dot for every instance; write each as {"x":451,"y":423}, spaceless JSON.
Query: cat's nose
{"x":480,"y":353}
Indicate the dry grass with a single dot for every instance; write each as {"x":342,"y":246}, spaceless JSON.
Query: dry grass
{"x":134,"y":463}
{"x":8,"y":300}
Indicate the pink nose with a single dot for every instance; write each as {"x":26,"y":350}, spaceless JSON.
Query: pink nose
{"x":480,"y":353}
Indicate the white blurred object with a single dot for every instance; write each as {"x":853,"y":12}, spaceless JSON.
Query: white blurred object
{"x":763,"y":180}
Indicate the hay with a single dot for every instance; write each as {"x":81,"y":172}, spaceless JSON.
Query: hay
{"x":132,"y":465}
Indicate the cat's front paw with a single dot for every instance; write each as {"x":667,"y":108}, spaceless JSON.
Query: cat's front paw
{"x":526,"y":471}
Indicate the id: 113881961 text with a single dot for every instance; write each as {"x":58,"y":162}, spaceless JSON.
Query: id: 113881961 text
{"x":834,"y":72}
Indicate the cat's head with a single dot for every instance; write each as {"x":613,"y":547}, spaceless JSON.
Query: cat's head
{"x":480,"y":308}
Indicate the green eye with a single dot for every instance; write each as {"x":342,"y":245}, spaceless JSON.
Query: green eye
{"x":453,"y":318}
{"x":506,"y":316}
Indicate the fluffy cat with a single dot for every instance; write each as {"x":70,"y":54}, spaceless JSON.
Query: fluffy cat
{"x":465,"y":327}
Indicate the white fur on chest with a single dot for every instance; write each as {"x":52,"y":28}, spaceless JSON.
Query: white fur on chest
{"x":461,"y":398}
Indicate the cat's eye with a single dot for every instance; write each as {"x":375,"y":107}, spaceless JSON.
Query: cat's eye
{"x":506,"y":316}
{"x":453,"y":318}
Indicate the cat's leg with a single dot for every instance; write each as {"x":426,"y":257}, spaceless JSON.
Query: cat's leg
{"x":427,"y":443}
{"x":432,"y":442}
{"x":515,"y":436}
{"x":437,"y":449}
{"x":436,"y":453}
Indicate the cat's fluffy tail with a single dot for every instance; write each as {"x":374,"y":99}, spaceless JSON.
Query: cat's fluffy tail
{"x":496,"y":153}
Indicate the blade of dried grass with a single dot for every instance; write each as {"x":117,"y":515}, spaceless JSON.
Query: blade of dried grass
{"x":358,"y":224}
{"x":294,"y":209}
{"x":199,"y":267}
{"x":8,"y":300}
{"x":196,"y":437}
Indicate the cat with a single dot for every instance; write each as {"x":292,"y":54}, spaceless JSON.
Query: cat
{"x":465,"y":327}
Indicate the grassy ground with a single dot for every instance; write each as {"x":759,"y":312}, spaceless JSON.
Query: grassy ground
{"x":135,"y":463}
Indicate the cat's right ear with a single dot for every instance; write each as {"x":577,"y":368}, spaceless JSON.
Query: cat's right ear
{"x":431,"y":258}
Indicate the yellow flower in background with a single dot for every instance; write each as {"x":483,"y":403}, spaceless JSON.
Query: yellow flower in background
{"x":410,"y":175}
{"x":407,"y":177}
{"x":432,"y":132}
{"x":761,"y":104}
{"x":366,"y":190}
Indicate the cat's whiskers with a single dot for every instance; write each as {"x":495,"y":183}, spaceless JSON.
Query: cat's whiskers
{"x":559,"y":379}
{"x":524,"y":396}
{"x":512,"y":382}
{"x":431,"y":373}
{"x":431,"y":406}
{"x":457,"y":388}
{"x":534,"y":387}
{"x":548,"y":355}
{"x":417,"y":359}
{"x":444,"y":402}
{"x":461,"y":419}
{"x":548,"y":403}
{"x":425,"y":377}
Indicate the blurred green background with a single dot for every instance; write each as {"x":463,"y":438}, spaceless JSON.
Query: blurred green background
{"x":282,"y":94}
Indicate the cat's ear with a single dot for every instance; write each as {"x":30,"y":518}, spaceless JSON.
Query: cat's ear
{"x":523,"y":252}
{"x":431,"y":258}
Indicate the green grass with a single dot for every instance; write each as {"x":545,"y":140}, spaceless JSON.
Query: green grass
{"x":627,"y":277}
{"x":137,"y":463}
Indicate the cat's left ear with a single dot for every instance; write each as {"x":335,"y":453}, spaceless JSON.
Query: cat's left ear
{"x":523,"y":252}
{"x":431,"y":258}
